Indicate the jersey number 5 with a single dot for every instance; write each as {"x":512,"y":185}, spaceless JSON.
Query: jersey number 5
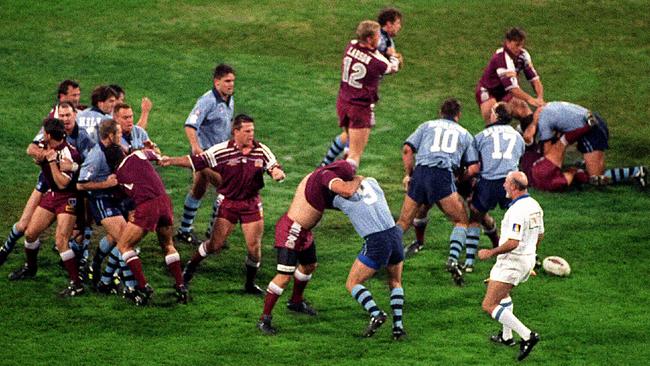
{"x":351,"y":75}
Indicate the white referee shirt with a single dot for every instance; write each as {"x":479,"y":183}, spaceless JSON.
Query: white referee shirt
{"x":524,"y":221}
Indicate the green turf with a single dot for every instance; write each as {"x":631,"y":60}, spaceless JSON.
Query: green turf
{"x":287,"y":56}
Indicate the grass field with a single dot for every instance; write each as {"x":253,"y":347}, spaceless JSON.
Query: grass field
{"x":287,"y":57}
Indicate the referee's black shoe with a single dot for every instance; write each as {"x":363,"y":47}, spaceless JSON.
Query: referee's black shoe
{"x":526,"y":346}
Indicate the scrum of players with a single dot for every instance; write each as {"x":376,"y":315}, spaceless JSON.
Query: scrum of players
{"x":96,"y":169}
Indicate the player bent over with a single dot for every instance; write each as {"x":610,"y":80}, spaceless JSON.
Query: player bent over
{"x":153,"y":212}
{"x":241,"y":163}
{"x":522,"y":229}
{"x":296,"y":250}
{"x":58,"y":203}
{"x":369,"y":213}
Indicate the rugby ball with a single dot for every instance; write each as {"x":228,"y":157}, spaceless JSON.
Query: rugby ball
{"x":557,"y":266}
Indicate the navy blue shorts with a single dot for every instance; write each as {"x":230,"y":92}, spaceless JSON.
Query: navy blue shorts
{"x":106,"y":205}
{"x":382,"y":248}
{"x":489,"y":193}
{"x":596,"y":139}
{"x":429,"y":185}
{"x":41,"y":184}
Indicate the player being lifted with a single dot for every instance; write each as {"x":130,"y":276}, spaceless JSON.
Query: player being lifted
{"x":296,"y":250}
{"x":390,"y":20}
{"x":361,"y":70}
{"x":241,"y":163}
{"x":370,"y":215}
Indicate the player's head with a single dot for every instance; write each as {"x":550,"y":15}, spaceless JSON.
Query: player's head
{"x":123,"y":114}
{"x":121,"y":94}
{"x":243,"y":130}
{"x":69,"y":91}
{"x":390,"y":20}
{"x":515,"y":40}
{"x":68,"y":115}
{"x":368,"y":33}
{"x":516,"y":184}
{"x":54,"y":129}
{"x":224,"y":80}
{"x":110,"y":132}
{"x":103,"y":97}
{"x":114,"y":156}
{"x":450,"y":109}
{"x":501,"y":113}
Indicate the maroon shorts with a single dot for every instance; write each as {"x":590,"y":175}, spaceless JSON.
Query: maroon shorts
{"x":291,"y":235}
{"x":60,"y":202}
{"x":483,"y":94}
{"x":246,"y":211}
{"x":355,"y":116}
{"x":154,"y":213}
{"x":547,"y":176}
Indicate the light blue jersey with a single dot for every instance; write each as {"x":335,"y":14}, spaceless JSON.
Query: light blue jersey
{"x":135,"y":139}
{"x":89,"y":119}
{"x":443,"y":144}
{"x":560,"y":117}
{"x":367,"y":208}
{"x":94,"y":168}
{"x":78,"y":138}
{"x":499,"y":147}
{"x":212,"y":119}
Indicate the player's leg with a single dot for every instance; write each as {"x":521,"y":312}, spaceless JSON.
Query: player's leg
{"x":336,"y":148}
{"x":453,"y":206}
{"x":40,"y":220}
{"x":358,"y":141}
{"x":253,"y":232}
{"x":113,"y":225}
{"x":408,"y":213}
{"x":396,"y":298}
{"x":287,"y":260}
{"x":362,"y":269}
{"x":499,"y":310}
{"x":595,"y":162}
{"x":419,"y":226}
{"x":486,"y":109}
{"x":132,"y":235}
{"x":636,"y":174}
{"x":301,"y":276}
{"x":490,"y":229}
{"x":64,"y":226}
{"x":191,"y":206}
{"x":222,"y":229}
{"x":18,"y":229}
{"x":215,"y":214}
{"x":165,"y":235}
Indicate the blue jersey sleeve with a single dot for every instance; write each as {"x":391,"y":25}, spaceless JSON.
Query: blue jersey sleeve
{"x":198,"y":113}
{"x":415,"y":140}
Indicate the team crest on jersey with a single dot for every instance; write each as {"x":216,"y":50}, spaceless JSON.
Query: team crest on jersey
{"x":259,"y":163}
{"x":233,"y":162}
{"x":516,"y":228}
{"x":221,"y":109}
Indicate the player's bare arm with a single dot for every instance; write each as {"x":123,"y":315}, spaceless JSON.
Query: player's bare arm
{"x":277,"y":173}
{"x":346,"y":189}
{"x":36,"y":152}
{"x":408,"y":159}
{"x":194,"y":140}
{"x":508,"y":246}
{"x":111,"y":181}
{"x":60,"y":179}
{"x":145,"y":106}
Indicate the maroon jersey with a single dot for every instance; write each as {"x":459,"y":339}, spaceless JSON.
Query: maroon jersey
{"x":494,"y":77}
{"x":63,"y":151}
{"x":139,"y":179}
{"x":242,"y":174}
{"x":317,"y":190}
{"x":361,"y":70}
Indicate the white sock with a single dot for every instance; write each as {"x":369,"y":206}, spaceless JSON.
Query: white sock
{"x":507,"y":318}
{"x":507,"y":304}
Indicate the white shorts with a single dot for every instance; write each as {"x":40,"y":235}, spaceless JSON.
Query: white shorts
{"x":512,"y":269}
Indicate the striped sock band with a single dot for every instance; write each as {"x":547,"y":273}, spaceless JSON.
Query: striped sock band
{"x":12,"y":239}
{"x":215,"y":212}
{"x":457,"y":242}
{"x":189,"y":213}
{"x":335,"y":149}
{"x":397,"y":305}
{"x":112,"y":266}
{"x":364,"y":297}
{"x":471,"y":244}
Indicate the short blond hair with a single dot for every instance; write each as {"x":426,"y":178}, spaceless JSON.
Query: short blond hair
{"x":366,"y":29}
